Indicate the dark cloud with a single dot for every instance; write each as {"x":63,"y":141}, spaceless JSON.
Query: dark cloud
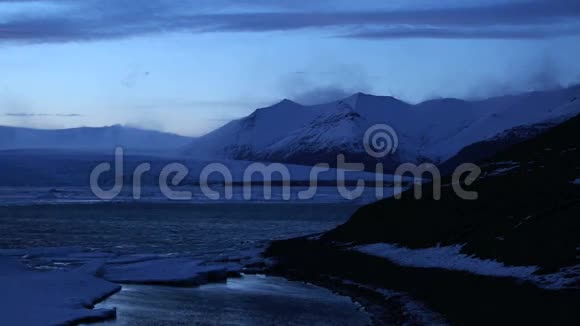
{"x":542,"y":73}
{"x":196,"y":104}
{"x":324,"y":94}
{"x":33,"y":115}
{"x":134,"y":76}
{"x":465,"y":33}
{"x":334,"y":83}
{"x":82,"y":20}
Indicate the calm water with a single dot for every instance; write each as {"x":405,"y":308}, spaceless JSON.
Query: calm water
{"x":199,"y":230}
{"x":251,"y":300}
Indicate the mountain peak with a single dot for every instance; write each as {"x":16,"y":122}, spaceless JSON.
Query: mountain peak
{"x":283,"y":105}
{"x":360,"y":99}
{"x":286,"y":102}
{"x":359,"y":95}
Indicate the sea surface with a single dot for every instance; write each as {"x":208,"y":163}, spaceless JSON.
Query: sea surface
{"x":201,"y":230}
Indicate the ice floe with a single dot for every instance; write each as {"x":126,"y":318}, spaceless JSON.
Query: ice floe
{"x":31,"y":297}
{"x":176,"y":271}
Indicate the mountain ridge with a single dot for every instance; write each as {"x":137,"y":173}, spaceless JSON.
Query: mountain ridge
{"x":102,"y":139}
{"x":433,"y":130}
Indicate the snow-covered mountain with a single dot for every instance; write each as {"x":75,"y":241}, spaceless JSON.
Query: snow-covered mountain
{"x":434,"y":130}
{"x":102,"y":139}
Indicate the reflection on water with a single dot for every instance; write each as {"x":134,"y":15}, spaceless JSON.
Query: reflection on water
{"x":250,"y":300}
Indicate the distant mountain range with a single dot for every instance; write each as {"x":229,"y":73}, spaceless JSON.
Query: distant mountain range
{"x":434,"y":130}
{"x":443,"y":131}
{"x":102,"y":139}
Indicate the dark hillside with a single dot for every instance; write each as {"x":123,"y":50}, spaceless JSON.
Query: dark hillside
{"x":528,"y":211}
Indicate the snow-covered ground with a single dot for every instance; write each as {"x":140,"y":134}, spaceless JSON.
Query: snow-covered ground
{"x":451,"y":258}
{"x":32,"y":297}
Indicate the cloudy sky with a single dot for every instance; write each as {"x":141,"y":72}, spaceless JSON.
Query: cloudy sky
{"x":190,"y":66}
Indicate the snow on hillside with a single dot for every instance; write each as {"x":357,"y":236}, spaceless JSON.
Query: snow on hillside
{"x":501,"y":114}
{"x":334,"y":131}
{"x":240,"y":138}
{"x":91,"y":139}
{"x":435,"y":129}
{"x":451,"y":258}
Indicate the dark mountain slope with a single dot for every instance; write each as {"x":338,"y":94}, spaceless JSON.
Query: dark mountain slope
{"x":486,"y":149}
{"x":528,"y":211}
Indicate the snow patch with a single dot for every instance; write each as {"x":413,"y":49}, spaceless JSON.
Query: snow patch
{"x":568,"y":277}
{"x":502,"y":171}
{"x":501,"y":168}
{"x":449,"y":257}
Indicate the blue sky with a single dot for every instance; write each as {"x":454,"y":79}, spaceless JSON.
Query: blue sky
{"x":190,"y":66}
